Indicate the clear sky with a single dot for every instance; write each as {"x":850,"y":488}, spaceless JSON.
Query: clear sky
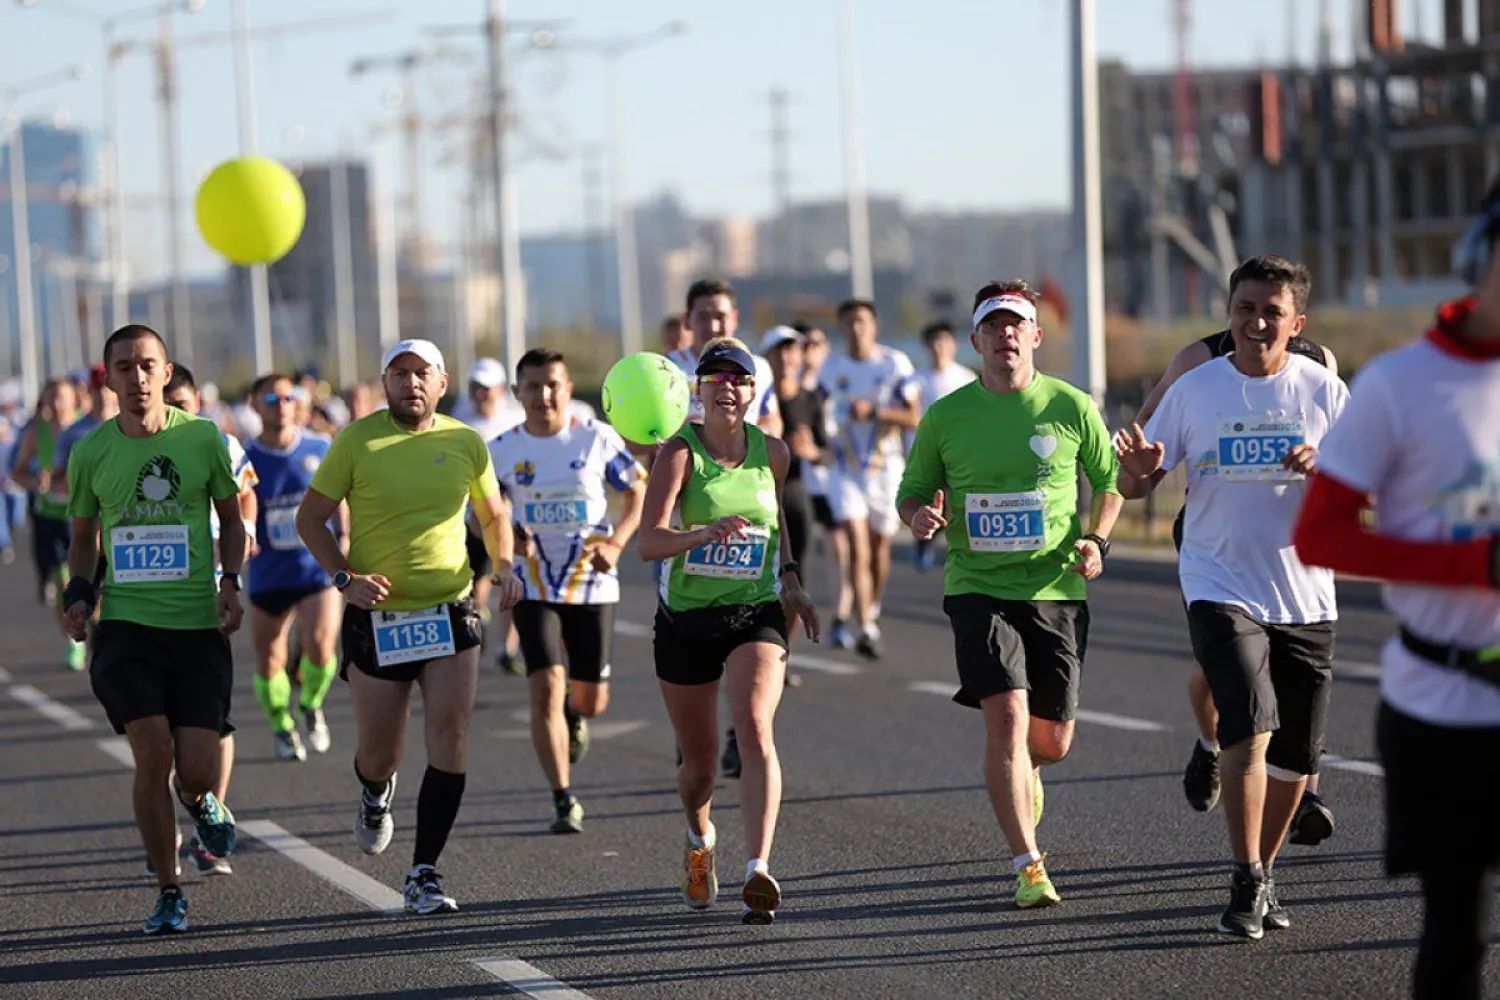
{"x":965,"y":102}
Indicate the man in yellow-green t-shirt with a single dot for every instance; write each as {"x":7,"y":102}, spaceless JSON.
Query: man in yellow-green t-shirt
{"x":407,"y":473}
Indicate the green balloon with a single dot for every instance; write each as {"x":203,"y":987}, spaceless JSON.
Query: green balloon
{"x":646,"y":398}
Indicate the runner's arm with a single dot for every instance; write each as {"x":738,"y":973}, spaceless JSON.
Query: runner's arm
{"x":83,"y":548}
{"x":1190,"y":357}
{"x":657,"y":538}
{"x":493,"y":511}
{"x":924,"y":474}
{"x":1102,"y":467}
{"x":20,"y":468}
{"x":232,"y":535}
{"x":312,"y":525}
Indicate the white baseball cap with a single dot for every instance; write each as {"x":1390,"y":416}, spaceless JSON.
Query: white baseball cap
{"x":487,"y":372}
{"x":424,"y":349}
{"x":778,"y":335}
{"x":1011,"y":302}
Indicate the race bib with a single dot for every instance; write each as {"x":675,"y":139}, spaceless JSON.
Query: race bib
{"x":281,"y":529}
{"x":741,"y":558}
{"x":405,"y":636}
{"x":1472,"y":513}
{"x":1005,"y":522}
{"x":1251,"y":448}
{"x":559,"y":513}
{"x":149,"y":553}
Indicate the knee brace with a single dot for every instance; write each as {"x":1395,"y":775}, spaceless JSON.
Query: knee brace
{"x":1246,"y":757}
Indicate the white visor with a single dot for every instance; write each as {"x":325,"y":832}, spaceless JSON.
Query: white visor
{"x":1010,"y":302}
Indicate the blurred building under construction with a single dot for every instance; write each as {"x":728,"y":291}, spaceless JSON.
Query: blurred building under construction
{"x":1366,"y":171}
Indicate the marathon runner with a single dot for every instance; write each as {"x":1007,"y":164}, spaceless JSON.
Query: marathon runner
{"x":162,"y":666}
{"x":407,"y":473}
{"x":718,"y":612}
{"x":1003,"y":455}
{"x":1248,"y":427}
{"x":556,"y":471}
{"x":1420,"y":437}
{"x":284,"y":577}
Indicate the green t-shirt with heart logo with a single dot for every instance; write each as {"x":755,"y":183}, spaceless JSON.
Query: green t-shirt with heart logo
{"x":1008,"y":464}
{"x":153,"y":496}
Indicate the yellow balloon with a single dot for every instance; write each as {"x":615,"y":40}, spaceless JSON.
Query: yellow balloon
{"x":251,"y":210}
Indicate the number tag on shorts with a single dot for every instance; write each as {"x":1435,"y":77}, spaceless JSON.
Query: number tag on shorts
{"x":557,"y":513}
{"x":281,"y":529}
{"x":1251,"y":448}
{"x":404,"y":636}
{"x":1472,"y":513}
{"x":1005,"y":522}
{"x":149,"y":553}
{"x":741,"y":558}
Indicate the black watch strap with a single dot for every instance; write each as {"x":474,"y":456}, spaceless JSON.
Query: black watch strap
{"x":1100,"y":541}
{"x":789,"y":567}
{"x":232,"y":578}
{"x":342,"y":579}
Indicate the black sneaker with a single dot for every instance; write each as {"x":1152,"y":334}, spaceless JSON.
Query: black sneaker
{"x":569,"y":816}
{"x":869,"y":646}
{"x":1245,"y":915}
{"x":1312,"y":823}
{"x":1277,"y":919}
{"x":1200,"y":782}
{"x":729,"y":761}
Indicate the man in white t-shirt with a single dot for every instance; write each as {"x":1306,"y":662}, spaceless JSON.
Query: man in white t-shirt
{"x":1247,"y":427}
{"x":945,"y":376}
{"x":873,"y":403}
{"x":1421,"y":437}
{"x":712,"y":313}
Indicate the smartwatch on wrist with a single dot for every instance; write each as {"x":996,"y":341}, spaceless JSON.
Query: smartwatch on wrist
{"x":1100,"y":541}
{"x":342,"y":579}
{"x":233,"y":579}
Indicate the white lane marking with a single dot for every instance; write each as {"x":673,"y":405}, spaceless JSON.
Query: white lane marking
{"x":797,"y":661}
{"x":939,"y":688}
{"x":606,"y":730}
{"x":634,"y":630}
{"x":59,"y":713}
{"x":324,"y":865}
{"x":117,"y":747}
{"x":1357,"y":766}
{"x":1359,"y":671}
{"x":1120,"y":722}
{"x":4,"y":676}
{"x":527,"y":979}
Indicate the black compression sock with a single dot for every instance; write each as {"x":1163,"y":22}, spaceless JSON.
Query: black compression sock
{"x":376,"y":790}
{"x":437,"y":808}
{"x":560,"y":796}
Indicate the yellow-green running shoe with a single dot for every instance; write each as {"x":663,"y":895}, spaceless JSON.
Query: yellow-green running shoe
{"x":1034,"y":888}
{"x":78,"y":655}
{"x":1038,"y":797}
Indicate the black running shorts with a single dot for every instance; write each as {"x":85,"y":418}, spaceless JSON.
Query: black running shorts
{"x":1266,"y":679}
{"x":1009,"y":645}
{"x":186,"y":675}
{"x":278,"y":601}
{"x":479,"y":558}
{"x":578,"y":635}
{"x":49,"y":542}
{"x":692,"y":647}
{"x":358,"y":638}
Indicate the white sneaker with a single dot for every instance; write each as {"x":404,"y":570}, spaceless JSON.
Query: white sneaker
{"x":373,"y":825}
{"x":316,"y":726}
{"x":289,"y":746}
{"x":424,"y":893}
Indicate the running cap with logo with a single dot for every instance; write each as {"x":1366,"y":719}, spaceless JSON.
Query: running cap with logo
{"x":424,"y":349}
{"x":1011,"y":302}
{"x":726,"y":356}
{"x":778,"y":335}
{"x":487,"y":372}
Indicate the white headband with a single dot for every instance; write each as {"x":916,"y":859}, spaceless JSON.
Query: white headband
{"x":1011,"y":302}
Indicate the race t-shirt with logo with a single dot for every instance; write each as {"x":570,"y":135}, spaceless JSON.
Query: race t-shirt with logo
{"x":1421,"y":435}
{"x":884,"y":381}
{"x":284,"y":476}
{"x":1232,"y":431}
{"x":153,"y":497}
{"x":407,"y":492}
{"x":557,"y":488}
{"x":508,"y":413}
{"x":1008,"y":463}
{"x":763,"y":404}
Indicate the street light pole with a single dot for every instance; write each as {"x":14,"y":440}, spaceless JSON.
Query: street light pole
{"x":260,"y":287}
{"x":119,"y":284}
{"x":182,"y":322}
{"x":1088,"y":233}
{"x":343,"y":273}
{"x":627,"y":260}
{"x":20,"y":232}
{"x":861,"y":260}
{"x":511,"y":320}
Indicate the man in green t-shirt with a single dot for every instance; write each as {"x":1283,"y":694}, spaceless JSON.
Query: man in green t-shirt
{"x":144,"y":483}
{"x":1005,"y":452}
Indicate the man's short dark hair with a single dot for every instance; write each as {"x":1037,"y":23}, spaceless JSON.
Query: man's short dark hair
{"x":539,"y":357}
{"x":1013,"y":286}
{"x":673,"y":322}
{"x":709,"y":287}
{"x":181,"y":379}
{"x":932,"y":331}
{"x":129,"y":334}
{"x":850,"y":305}
{"x":1275,"y":270}
{"x":265,"y":382}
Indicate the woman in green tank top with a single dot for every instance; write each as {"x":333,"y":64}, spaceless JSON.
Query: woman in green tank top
{"x":727,"y":596}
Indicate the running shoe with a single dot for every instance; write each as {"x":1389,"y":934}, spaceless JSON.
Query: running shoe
{"x":510,"y":663}
{"x":1312,"y":823}
{"x":1276,"y":918}
{"x":842,"y":638}
{"x":169,"y":916}
{"x":869,"y":645}
{"x":578,"y":738}
{"x":424,"y":893}
{"x":315,"y":725}
{"x":1038,"y":798}
{"x":289,"y":746}
{"x":213,"y":822}
{"x":700,"y":875}
{"x":729,"y":761}
{"x":1034,"y":888}
{"x":208,"y":863}
{"x":373,"y":826}
{"x":569,"y":816}
{"x":78,"y":655}
{"x":762,"y":896}
{"x":1245,"y":916}
{"x":1200,"y":782}
{"x":176,"y":858}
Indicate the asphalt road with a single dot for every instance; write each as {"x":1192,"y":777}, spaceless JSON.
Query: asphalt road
{"x":897,"y":882}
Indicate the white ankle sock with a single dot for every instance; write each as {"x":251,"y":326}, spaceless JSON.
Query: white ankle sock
{"x":756,"y":865}
{"x":1212,"y":746}
{"x":705,"y":841}
{"x":1022,"y":860}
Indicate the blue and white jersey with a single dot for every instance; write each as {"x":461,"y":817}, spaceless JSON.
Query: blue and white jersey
{"x":283,"y":477}
{"x":557,"y":490}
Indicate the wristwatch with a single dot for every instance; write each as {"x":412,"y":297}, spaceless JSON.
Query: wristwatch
{"x":789,"y":567}
{"x":1100,"y":541}
{"x":342,"y":579}
{"x":233,"y":579}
